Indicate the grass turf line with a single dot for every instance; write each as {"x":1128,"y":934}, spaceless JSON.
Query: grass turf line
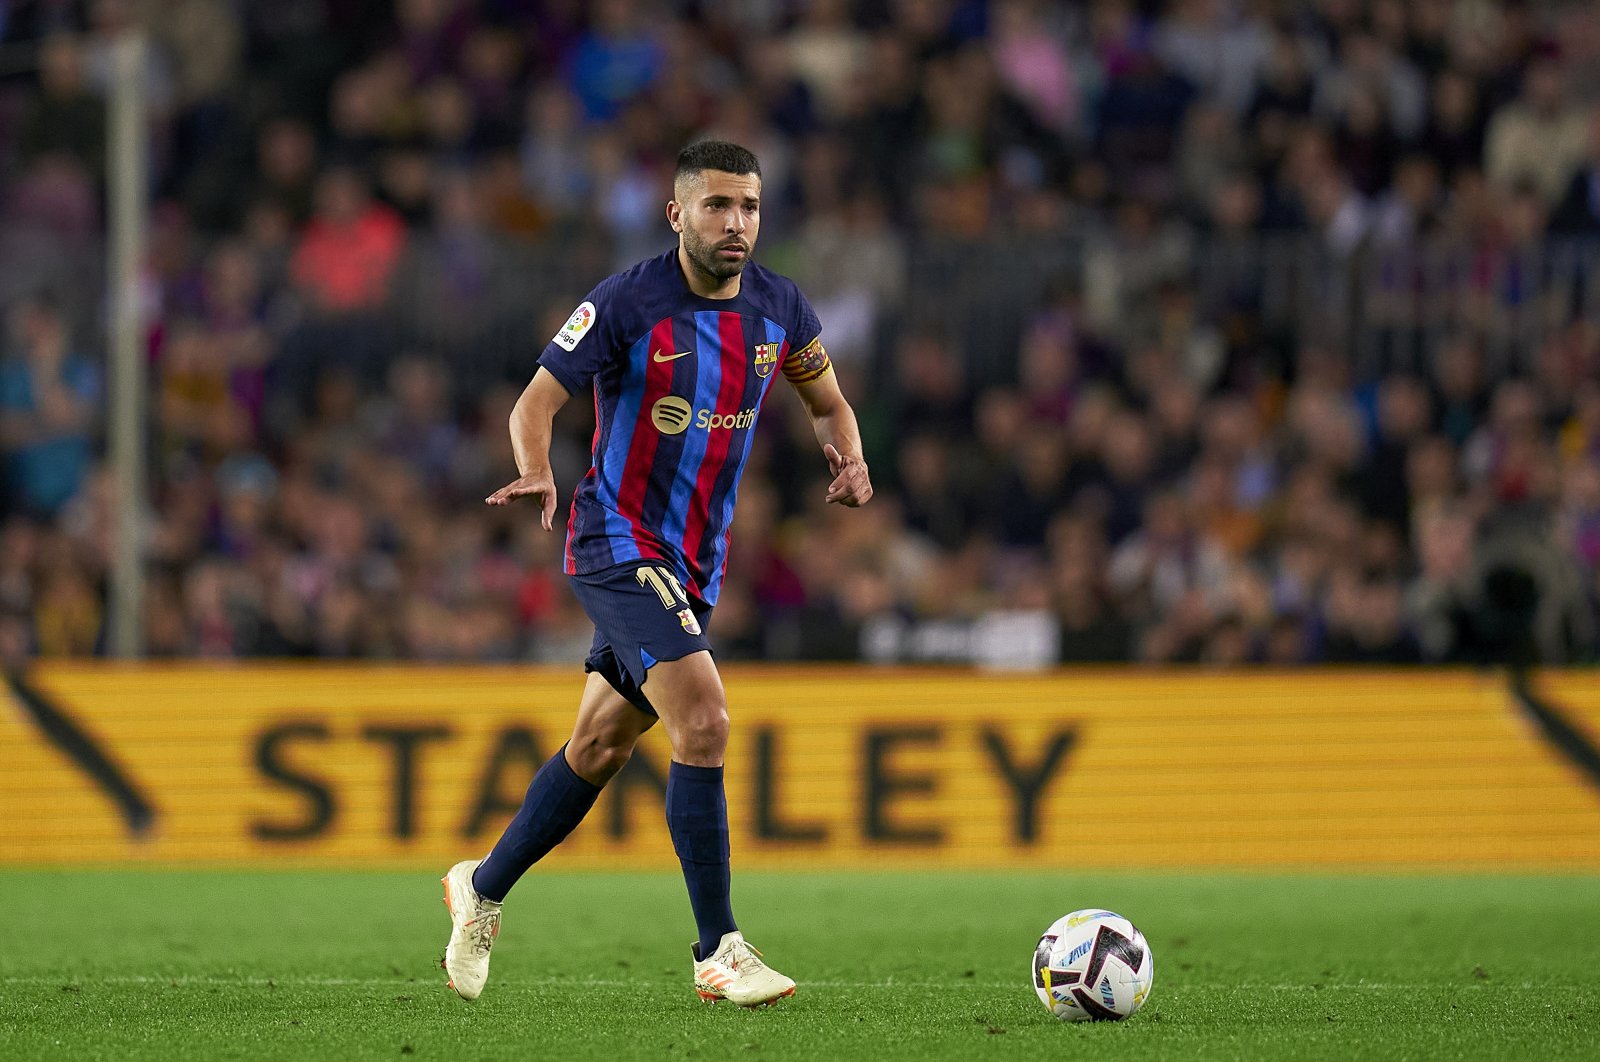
{"x":925,"y":966}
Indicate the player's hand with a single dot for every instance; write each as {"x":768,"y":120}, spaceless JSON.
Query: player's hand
{"x":851,"y":486}
{"x":541,"y":486}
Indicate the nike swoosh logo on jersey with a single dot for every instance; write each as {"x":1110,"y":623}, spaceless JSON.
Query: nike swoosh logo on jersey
{"x":671,"y":357}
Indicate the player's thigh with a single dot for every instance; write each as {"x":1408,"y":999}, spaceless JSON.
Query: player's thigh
{"x":688,"y":696}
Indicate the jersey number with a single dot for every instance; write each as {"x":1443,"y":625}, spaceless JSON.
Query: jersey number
{"x":665,"y":584}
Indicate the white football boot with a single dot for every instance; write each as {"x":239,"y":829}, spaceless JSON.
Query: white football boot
{"x":736,"y":973}
{"x":475,"y":922}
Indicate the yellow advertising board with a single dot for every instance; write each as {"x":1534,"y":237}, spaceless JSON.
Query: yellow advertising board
{"x":827,"y":767}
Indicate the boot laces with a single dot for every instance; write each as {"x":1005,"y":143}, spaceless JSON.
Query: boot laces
{"x":483,"y":929}
{"x":744,"y":958}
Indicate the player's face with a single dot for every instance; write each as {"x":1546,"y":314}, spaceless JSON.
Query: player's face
{"x":718,"y":215}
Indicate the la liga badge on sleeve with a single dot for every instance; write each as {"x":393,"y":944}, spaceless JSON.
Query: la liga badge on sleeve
{"x":581,"y":321}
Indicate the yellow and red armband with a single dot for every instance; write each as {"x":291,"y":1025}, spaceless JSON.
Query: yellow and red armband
{"x":808,"y":363}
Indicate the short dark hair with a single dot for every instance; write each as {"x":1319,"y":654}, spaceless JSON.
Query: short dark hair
{"x":715,"y":155}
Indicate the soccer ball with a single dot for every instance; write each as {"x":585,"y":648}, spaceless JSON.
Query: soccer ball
{"x":1093,"y":966}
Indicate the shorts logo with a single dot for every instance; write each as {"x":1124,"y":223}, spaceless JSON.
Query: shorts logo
{"x":690,"y":624}
{"x":766,"y":358}
{"x":670,"y":415}
{"x":581,"y":321}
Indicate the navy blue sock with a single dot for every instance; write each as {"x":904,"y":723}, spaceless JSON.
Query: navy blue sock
{"x":697,"y":818}
{"x":557,"y":801}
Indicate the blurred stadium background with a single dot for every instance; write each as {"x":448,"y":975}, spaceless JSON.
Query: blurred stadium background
{"x":1214,"y":331}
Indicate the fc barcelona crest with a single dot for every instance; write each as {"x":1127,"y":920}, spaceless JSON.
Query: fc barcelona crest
{"x":766,"y":358}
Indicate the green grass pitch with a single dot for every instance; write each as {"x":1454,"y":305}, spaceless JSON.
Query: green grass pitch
{"x":906,"y":965}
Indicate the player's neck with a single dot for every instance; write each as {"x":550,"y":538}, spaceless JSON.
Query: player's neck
{"x":703,"y":284}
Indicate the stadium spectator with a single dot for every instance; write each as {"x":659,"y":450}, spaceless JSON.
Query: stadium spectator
{"x":616,"y":60}
{"x":64,"y":117}
{"x":1541,"y":138}
{"x":285,"y":170}
{"x":350,"y":247}
{"x":49,"y":395}
{"x":1578,"y":212}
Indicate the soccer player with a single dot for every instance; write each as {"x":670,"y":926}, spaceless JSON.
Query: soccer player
{"x":680,"y":352}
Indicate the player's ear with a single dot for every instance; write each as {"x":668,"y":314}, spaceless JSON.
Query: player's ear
{"x":675,"y":215}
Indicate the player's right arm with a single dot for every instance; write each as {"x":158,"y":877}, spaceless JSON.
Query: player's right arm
{"x":570,"y":360}
{"x":531,"y":420}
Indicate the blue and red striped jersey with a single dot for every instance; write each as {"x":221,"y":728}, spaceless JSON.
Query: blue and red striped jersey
{"x":679,"y":381}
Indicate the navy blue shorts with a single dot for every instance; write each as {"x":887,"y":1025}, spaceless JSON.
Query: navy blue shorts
{"x":641,"y":616}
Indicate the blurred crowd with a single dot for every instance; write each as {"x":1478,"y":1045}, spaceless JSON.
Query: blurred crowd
{"x":1034,"y":234}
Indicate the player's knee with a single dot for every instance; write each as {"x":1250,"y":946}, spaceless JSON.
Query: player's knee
{"x":703,"y":737}
{"x":608,"y":760}
{"x":598,"y":759}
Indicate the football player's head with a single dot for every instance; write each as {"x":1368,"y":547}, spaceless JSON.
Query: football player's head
{"x":715,"y":208}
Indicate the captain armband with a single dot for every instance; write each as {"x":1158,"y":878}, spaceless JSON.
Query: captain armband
{"x":807,"y":364}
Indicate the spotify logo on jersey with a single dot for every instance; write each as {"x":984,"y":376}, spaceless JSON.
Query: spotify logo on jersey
{"x":670,"y":415}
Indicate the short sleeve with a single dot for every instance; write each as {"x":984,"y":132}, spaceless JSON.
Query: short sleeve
{"x":806,"y":360}
{"x":585,"y":344}
{"x":806,"y":326}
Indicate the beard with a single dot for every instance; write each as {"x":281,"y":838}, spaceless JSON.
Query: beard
{"x":704,"y":256}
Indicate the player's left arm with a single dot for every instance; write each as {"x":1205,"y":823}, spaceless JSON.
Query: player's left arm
{"x":835,"y":425}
